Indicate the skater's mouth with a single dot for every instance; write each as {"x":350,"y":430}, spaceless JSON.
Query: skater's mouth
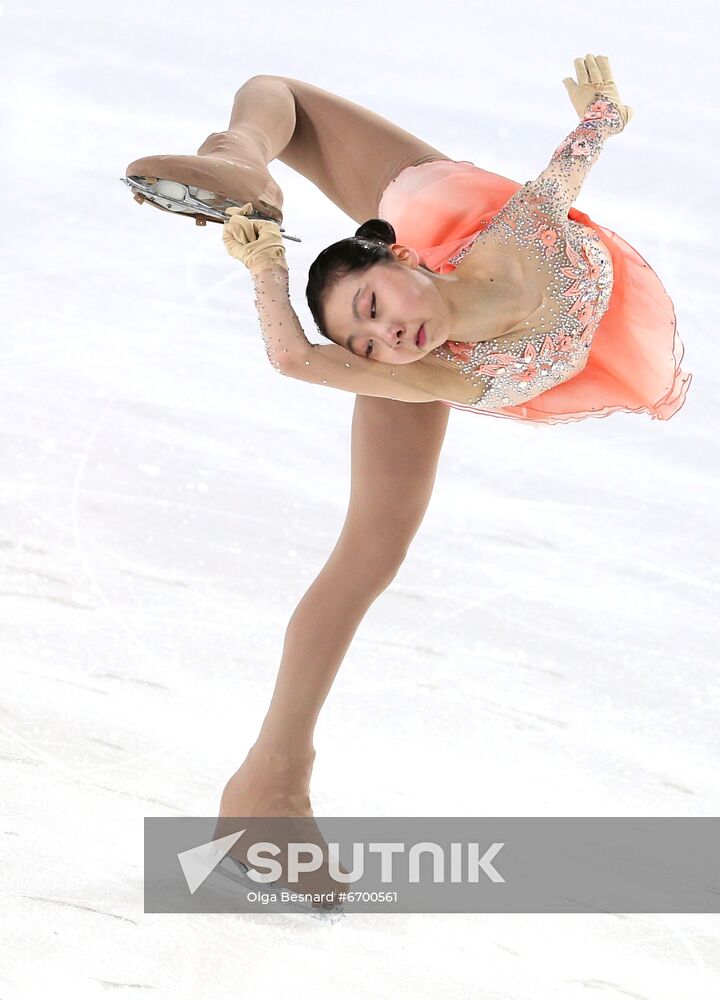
{"x":421,"y":338}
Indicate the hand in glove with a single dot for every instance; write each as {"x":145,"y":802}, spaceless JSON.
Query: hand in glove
{"x":257,"y":243}
{"x":594,"y":78}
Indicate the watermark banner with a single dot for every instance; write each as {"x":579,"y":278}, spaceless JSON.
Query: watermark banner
{"x":432,"y":865}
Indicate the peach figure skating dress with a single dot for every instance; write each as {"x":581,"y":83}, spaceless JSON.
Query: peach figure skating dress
{"x":604,"y":338}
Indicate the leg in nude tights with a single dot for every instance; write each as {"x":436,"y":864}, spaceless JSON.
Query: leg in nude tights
{"x":392,"y":477}
{"x":351,"y":154}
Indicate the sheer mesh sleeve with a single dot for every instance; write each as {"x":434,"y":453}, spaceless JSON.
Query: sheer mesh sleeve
{"x":279,"y":324}
{"x":558,"y":185}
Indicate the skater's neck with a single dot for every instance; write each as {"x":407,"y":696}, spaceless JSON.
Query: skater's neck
{"x":484,"y":302}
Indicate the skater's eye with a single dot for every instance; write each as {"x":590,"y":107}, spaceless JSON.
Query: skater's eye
{"x":368,"y":352}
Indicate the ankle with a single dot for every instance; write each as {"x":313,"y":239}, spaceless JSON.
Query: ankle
{"x":283,"y":758}
{"x":236,"y":143}
{"x":254,"y":137}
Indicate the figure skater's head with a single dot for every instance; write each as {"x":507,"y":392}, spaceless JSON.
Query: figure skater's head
{"x":372,"y":295}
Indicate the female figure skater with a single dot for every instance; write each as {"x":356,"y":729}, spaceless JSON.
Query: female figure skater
{"x":464,"y":289}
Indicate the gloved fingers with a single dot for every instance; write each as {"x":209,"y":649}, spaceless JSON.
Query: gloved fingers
{"x":593,"y":69}
{"x":581,"y":71}
{"x":241,"y":228}
{"x":261,"y":225}
{"x":268,"y":226}
{"x":245,"y":210}
{"x":238,"y":232}
{"x":570,"y":85}
{"x":604,"y":64}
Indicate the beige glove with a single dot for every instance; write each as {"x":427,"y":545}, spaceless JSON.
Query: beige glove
{"x":594,"y":77}
{"x":257,"y":243}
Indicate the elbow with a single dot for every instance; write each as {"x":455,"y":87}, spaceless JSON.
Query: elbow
{"x":302,"y":361}
{"x":290,"y":364}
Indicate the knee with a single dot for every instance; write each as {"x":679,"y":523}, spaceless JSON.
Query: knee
{"x":268,"y":87}
{"x":373,"y":580}
{"x":387,"y":569}
{"x":265,"y":78}
{"x":372,"y":564}
{"x":252,"y":83}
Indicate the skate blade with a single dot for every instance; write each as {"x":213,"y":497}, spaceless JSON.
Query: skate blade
{"x":189,"y":204}
{"x":234,"y":871}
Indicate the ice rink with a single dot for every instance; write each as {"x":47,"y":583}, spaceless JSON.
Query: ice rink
{"x":548,"y":647}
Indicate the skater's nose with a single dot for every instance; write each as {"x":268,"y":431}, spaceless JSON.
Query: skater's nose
{"x":393,"y":336}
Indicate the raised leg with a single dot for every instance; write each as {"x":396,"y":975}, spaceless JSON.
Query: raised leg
{"x":395,"y":452}
{"x":349,"y":152}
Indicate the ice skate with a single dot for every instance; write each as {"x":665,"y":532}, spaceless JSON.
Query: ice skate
{"x":232,"y":870}
{"x":204,"y":186}
{"x":204,"y":206}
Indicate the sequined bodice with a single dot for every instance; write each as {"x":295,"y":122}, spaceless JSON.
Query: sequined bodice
{"x":559,"y":265}
{"x":574,"y":274}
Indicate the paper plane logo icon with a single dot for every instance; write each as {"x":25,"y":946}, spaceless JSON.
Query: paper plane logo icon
{"x":199,"y":862}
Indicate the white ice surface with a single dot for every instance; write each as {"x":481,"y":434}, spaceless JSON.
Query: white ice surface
{"x":549,"y":645}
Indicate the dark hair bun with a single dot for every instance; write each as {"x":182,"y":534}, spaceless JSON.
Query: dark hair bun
{"x":377,"y":229}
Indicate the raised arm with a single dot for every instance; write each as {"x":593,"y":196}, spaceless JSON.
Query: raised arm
{"x":258,"y":244}
{"x":597,"y":102}
{"x":291,"y":353}
{"x":558,"y":185}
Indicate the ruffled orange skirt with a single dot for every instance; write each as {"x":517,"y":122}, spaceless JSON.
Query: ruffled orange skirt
{"x":440,"y":206}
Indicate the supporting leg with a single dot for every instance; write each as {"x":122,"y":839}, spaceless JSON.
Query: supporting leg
{"x":395,"y":452}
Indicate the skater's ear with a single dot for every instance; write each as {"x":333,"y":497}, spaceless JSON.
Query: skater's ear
{"x":408,"y":255}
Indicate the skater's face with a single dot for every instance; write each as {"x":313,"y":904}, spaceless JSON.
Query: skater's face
{"x":377,"y":313}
